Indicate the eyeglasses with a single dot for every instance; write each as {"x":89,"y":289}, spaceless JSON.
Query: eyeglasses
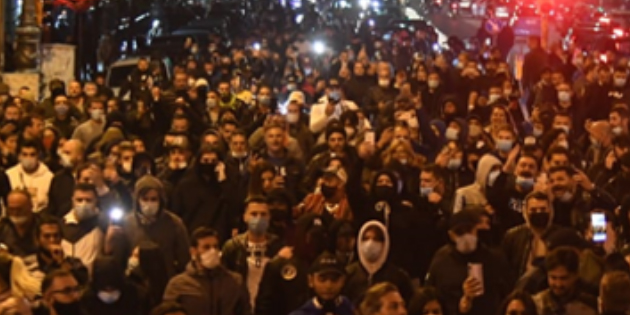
{"x":69,"y":290}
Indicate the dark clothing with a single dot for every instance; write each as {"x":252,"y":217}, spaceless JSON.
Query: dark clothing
{"x":217,"y":291}
{"x":19,"y":245}
{"x":358,"y":281}
{"x":574,"y":213}
{"x":533,"y":64}
{"x":283,"y":288}
{"x":375,"y":95}
{"x":60,"y":193}
{"x":131,"y":302}
{"x":517,"y":245}
{"x":507,"y":201}
{"x":313,"y":307}
{"x":449,"y":270}
{"x":235,"y":252}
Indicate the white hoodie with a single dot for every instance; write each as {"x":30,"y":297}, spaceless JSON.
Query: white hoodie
{"x":36,"y":183}
{"x":373,"y":267}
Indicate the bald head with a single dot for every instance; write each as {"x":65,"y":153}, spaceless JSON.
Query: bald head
{"x":19,"y":207}
{"x":601,"y":132}
{"x":74,"y":150}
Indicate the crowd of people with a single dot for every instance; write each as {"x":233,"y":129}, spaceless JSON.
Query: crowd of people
{"x":263,"y":178}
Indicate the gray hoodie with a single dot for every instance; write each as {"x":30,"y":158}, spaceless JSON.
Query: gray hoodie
{"x":475,"y":193}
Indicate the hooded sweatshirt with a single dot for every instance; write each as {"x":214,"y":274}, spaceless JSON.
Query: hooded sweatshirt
{"x":36,"y":183}
{"x":166,"y":229}
{"x":364,"y":273}
{"x":475,"y":194}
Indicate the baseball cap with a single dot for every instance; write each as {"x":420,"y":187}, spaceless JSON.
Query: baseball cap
{"x":328,"y":262}
{"x":464,"y":219}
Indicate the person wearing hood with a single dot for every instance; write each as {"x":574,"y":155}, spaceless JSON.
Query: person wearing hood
{"x":475,"y":193}
{"x":149,"y":221}
{"x":467,"y":292}
{"x":248,"y":253}
{"x":284,"y":285}
{"x":198,"y":199}
{"x":373,"y":266}
{"x":574,"y":195}
{"x":31,"y":174}
{"x":176,"y":166}
{"x":509,"y":186}
{"x":207,"y":287}
{"x":83,"y":229}
{"x":524,"y":245}
{"x":110,"y":293}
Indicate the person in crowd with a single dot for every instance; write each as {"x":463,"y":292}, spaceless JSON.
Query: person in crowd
{"x":31,"y":174}
{"x":518,"y":302}
{"x":331,"y":200}
{"x":169,"y":308}
{"x":562,"y":274}
{"x":426,"y":301}
{"x":110,"y":293}
{"x":62,"y":185}
{"x":92,"y":128}
{"x":466,"y":292}
{"x":63,"y":118}
{"x":614,"y":290}
{"x":61,"y":295}
{"x":331,"y":107}
{"x":18,"y":228}
{"x":373,"y":246}
{"x":17,"y":282}
{"x":223,"y":291}
{"x":147,"y":269}
{"x":248,"y":253}
{"x":383,"y":299}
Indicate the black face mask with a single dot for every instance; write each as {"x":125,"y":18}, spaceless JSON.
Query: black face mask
{"x":384,"y":192}
{"x":73,"y":308}
{"x":485,"y":237}
{"x":328,"y":191}
{"x":208,"y":170}
{"x":226,"y":98}
{"x":539,"y":220}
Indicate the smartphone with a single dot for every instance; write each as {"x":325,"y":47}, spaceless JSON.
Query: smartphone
{"x":598,"y":221}
{"x":370,"y":137}
{"x":115,"y":215}
{"x":475,"y":270}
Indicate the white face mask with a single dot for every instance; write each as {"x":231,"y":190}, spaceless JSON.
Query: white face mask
{"x":97,"y":114}
{"x":109,"y":297}
{"x":293,"y":118}
{"x":493,"y":98}
{"x":466,"y":243}
{"x":133,"y":263}
{"x":84,"y":211}
{"x":239,"y":155}
{"x":126,"y":166}
{"x":28,"y":163}
{"x":18,"y":220}
{"x":210,"y":259}
{"x":150,"y":208}
{"x":383,"y":82}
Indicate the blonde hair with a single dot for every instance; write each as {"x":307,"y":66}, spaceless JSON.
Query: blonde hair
{"x":372,"y":303}
{"x":23,"y":285}
{"x":414,"y":159}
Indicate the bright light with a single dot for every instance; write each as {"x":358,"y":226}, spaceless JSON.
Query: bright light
{"x":364,"y":4}
{"x":436,"y":47}
{"x":116,"y":214}
{"x":256,"y":46}
{"x":319,"y":47}
{"x":618,"y":32}
{"x":371,"y":23}
{"x":376,"y":4}
{"x":604,"y":20}
{"x":156,"y":23}
{"x":299,"y":18}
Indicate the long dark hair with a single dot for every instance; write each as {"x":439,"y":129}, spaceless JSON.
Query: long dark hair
{"x":422,"y":297}
{"x":524,"y":297}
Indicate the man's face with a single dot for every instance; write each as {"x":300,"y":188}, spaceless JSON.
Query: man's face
{"x":90,"y":89}
{"x":505,"y":135}
{"x":180,"y":82}
{"x":12,"y":113}
{"x":37,"y":127}
{"x":561,"y":281}
{"x":327,"y":285}
{"x":274,"y":139}
{"x":257,"y":210}
{"x":227,"y":130}
{"x":560,"y":122}
{"x":238,"y":144}
{"x":211,"y":139}
{"x":336,"y":142}
{"x":64,"y":290}
{"x":81,"y":197}
{"x":143,"y":65}
{"x":180,"y":125}
{"x":559,"y":160}
{"x":224,"y":89}
{"x":204,"y":245}
{"x":358,"y":69}
{"x":74,"y":89}
{"x":70,"y":149}
{"x":615,"y":120}
{"x":526,"y":167}
{"x":18,"y":205}
{"x":556,"y":78}
{"x":49,"y":234}
{"x":537,"y":206}
{"x":560,"y":183}
{"x":264,"y":91}
{"x":28,"y":153}
{"x":428,"y":180}
{"x":402,"y":134}
{"x":177,"y":155}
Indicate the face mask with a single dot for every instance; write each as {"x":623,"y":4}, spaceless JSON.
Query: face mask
{"x":452,"y":134}
{"x":564,"y":96}
{"x":150,"y":208}
{"x":466,"y":243}
{"x":433,"y":84}
{"x":383,"y":83}
{"x":258,"y":225}
{"x":412,"y":122}
{"x":504,"y":145}
{"x":65,"y":160}
{"x":563,"y":143}
{"x":617,"y":130}
{"x":567,"y":196}
{"x":493,"y":98}
{"x":537,"y":132}
{"x":474,"y":130}
{"x":492,"y":177}
{"x":620,"y":82}
{"x":527,"y":183}
{"x":328,"y":191}
{"x":264,"y":100}
{"x":563,"y":128}
{"x":210,"y":259}
{"x":425,"y":191}
{"x":454,"y":164}
{"x":349,"y":132}
{"x":97,"y":114}
{"x":29,"y":163}
{"x":61,"y":109}
{"x":291,"y":87}
{"x":126,"y":166}
{"x":226,"y":98}
{"x":211,"y":103}
{"x":18,"y":220}
{"x":109,"y":297}
{"x":384,"y":192}
{"x":84,"y":211}
{"x":133,"y":263}
{"x":334,"y":96}
{"x":73,"y":308}
{"x":371,"y":250}
{"x":239,"y":155}
{"x":293,"y":118}
{"x":539,"y":220}
{"x":208,"y":170}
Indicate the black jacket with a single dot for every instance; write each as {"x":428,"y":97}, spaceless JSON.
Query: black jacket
{"x":517,"y":244}
{"x":283,"y":288}
{"x":60,"y":193}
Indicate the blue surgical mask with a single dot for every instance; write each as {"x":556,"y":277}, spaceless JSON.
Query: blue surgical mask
{"x":109,"y":297}
{"x":425,"y":191}
{"x":454,"y":164}
{"x":334,"y":96}
{"x":504,"y":145}
{"x":258,"y":225}
{"x":527,"y":183}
